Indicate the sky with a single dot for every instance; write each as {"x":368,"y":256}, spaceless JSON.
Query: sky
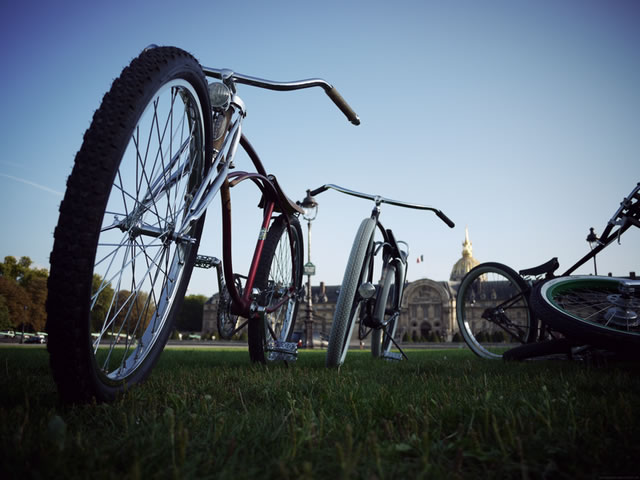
{"x":519,"y":119}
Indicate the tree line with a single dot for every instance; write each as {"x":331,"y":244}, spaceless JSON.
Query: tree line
{"x":23,"y":296}
{"x":23,"y":293}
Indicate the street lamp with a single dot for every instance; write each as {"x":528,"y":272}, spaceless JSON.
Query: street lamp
{"x":310,"y":207}
{"x":593,"y":240}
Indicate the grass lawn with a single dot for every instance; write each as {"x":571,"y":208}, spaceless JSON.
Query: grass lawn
{"x":209,"y":413}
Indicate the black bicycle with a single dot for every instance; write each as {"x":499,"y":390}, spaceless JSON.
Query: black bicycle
{"x":498,"y":308}
{"x":377,"y":309}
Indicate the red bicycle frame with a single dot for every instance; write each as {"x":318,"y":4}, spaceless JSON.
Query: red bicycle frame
{"x":273,"y":200}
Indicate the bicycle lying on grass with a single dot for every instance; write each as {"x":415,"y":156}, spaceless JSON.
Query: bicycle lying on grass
{"x":531,"y":305}
{"x":376,"y":309}
{"x":159,"y":149}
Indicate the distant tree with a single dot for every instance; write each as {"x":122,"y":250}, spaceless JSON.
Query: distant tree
{"x":13,"y":268}
{"x":103,"y":303}
{"x":5,"y":322}
{"x":20,"y":270}
{"x":190,"y":316}
{"x":17,"y":302}
{"x":36,"y":288}
{"x":25,"y":292}
{"x":133,"y":313}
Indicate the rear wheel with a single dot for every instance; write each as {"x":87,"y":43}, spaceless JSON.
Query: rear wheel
{"x":601,"y":311}
{"x":386,"y":311}
{"x":349,"y":300}
{"x":279,"y":278}
{"x":227,"y":321}
{"x":493,"y":311}
{"x":123,"y":254}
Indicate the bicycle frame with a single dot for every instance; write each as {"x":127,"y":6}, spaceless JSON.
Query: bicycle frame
{"x":244,"y":304}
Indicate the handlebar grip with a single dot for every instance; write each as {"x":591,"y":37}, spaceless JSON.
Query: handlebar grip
{"x":343,"y":106}
{"x":445,"y":219}
{"x":321,"y":189}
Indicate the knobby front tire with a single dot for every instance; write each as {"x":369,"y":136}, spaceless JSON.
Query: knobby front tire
{"x":349,"y":301}
{"x":119,"y":265}
{"x":279,"y":274}
{"x":492,"y":310}
{"x":592,"y":310}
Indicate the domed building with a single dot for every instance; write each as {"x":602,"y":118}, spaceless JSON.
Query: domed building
{"x":466,"y":263}
{"x":429,"y":306}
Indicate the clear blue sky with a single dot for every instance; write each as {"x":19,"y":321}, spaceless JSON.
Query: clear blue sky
{"x":520,"y":120}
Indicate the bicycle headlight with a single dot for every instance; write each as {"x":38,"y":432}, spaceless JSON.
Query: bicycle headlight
{"x":220,"y":96}
{"x":367,"y":290}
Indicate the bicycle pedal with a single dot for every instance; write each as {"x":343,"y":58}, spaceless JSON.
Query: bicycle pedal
{"x":392,"y":356}
{"x":285,"y":351}
{"x":203,"y":261}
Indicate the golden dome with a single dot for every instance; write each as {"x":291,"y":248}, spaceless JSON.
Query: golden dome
{"x":466,"y":263}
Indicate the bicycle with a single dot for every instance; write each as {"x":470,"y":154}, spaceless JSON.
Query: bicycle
{"x":531,"y":306}
{"x":376,"y":309}
{"x":159,"y":148}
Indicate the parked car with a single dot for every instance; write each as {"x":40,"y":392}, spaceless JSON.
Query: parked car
{"x":35,"y":339}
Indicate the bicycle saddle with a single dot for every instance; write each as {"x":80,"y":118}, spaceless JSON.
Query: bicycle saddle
{"x":547,"y":268}
{"x":285,"y":202}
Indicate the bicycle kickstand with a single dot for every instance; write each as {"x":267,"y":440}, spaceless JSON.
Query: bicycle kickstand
{"x":393,"y":355}
{"x":277,"y":349}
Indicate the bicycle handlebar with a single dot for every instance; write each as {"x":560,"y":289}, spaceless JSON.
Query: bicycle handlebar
{"x":329,"y":89}
{"x":378,"y":199}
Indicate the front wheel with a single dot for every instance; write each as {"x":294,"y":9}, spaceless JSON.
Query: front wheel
{"x":601,"y":311}
{"x":349,"y":300}
{"x":279,"y":278}
{"x":492,"y":309}
{"x":123,"y":254}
